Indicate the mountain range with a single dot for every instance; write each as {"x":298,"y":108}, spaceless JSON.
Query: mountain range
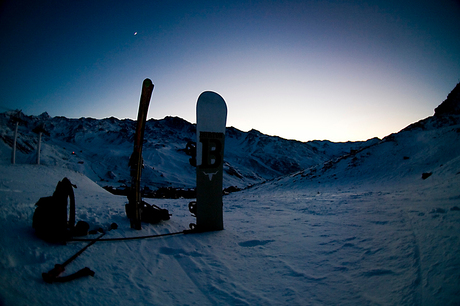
{"x":100,"y":149}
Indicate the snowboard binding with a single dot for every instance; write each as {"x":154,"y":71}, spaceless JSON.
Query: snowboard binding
{"x":192,"y":208}
{"x":149,"y":213}
{"x":190,"y":150}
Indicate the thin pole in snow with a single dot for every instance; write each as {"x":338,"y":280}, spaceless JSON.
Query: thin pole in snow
{"x":16,"y":118}
{"x":39,"y":130}
{"x":39,"y":146}
{"x":13,"y":156}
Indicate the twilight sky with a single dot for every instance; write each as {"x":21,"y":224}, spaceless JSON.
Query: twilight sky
{"x":329,"y":69}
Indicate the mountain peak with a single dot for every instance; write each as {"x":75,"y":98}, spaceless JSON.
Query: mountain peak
{"x":450,"y":106}
{"x":44,"y":116}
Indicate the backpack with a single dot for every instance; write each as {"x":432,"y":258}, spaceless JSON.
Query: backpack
{"x":50,"y":216}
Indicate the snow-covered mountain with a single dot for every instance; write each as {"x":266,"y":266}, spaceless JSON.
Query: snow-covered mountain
{"x":100,"y":149}
{"x":428,"y":147}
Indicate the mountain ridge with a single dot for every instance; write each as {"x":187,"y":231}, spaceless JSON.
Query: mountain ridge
{"x":100,"y":148}
{"x":425,"y":150}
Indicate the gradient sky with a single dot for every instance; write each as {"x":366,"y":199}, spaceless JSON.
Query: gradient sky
{"x":305,"y":70}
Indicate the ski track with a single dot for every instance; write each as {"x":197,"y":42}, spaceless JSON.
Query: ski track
{"x":439,"y":228}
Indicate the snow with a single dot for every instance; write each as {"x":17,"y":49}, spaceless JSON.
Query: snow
{"x":342,"y":244}
{"x":362,"y":229}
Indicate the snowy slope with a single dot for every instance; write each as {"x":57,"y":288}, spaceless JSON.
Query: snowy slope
{"x":430,"y":146}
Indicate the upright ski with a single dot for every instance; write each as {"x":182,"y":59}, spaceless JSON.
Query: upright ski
{"x":133,"y":208}
{"x":211,"y":118}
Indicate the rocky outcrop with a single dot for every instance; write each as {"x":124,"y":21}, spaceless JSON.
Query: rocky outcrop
{"x":450,"y":106}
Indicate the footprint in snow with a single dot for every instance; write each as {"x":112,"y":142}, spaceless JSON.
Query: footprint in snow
{"x":253,"y":243}
{"x":178,"y":252}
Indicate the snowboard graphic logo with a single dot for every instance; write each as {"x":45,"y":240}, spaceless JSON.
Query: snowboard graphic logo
{"x":212,"y":148}
{"x":212,"y":151}
{"x":210,"y":175}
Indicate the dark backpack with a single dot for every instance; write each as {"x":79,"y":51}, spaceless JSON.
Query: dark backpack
{"x":50,"y":217}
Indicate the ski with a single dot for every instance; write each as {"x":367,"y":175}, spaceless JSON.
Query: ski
{"x":211,"y":118}
{"x":133,"y":208}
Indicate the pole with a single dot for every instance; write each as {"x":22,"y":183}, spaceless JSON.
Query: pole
{"x":39,"y":147}
{"x":13,"y":156}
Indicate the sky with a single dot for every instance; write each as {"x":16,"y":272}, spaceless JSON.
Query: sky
{"x":305,"y":70}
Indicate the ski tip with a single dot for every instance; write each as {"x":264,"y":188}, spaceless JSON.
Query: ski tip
{"x":147,"y":83}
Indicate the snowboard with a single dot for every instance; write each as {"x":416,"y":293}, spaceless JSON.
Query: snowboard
{"x":211,"y":118}
{"x":133,"y":208}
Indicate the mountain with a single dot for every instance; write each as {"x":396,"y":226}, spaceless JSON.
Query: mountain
{"x":428,"y":149}
{"x":101,"y":148}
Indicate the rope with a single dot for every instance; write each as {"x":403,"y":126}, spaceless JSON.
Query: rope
{"x":132,"y":238}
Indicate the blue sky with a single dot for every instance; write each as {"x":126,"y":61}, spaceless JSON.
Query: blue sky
{"x":305,"y":70}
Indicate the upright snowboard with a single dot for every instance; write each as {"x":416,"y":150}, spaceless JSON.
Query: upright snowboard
{"x":211,"y":118}
{"x":133,"y":208}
